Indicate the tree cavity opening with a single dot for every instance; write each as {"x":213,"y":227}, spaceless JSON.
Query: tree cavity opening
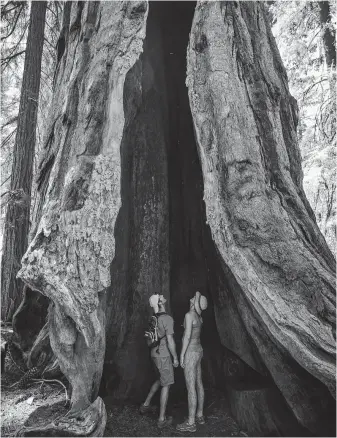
{"x":162,"y":241}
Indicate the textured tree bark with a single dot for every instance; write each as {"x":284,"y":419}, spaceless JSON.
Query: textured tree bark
{"x":69,"y":257}
{"x":264,"y":229}
{"x":18,"y":210}
{"x":91,"y":423}
{"x":128,"y":209}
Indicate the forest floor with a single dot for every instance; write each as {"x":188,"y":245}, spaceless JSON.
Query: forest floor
{"x":125,"y":420}
{"x":18,"y":406}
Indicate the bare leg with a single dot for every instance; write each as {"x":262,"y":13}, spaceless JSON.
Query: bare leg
{"x":153,"y":390}
{"x":200,"y":391}
{"x":190,"y":372}
{"x":163,"y":402}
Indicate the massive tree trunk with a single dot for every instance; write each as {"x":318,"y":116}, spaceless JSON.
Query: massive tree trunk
{"x":149,"y":188}
{"x":261,"y":222}
{"x":18,"y":209}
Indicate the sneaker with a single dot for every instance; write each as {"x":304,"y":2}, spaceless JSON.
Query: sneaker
{"x":164,"y":423}
{"x":200,"y":420}
{"x":186,"y":427}
{"x":147,"y":409}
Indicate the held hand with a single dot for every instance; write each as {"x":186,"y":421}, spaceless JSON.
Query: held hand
{"x":175,"y":363}
{"x":182,"y":363}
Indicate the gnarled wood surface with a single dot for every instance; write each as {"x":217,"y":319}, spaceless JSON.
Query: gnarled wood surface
{"x":69,"y":258}
{"x":91,"y":422}
{"x":263,"y":227}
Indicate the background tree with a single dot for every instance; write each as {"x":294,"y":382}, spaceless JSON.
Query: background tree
{"x":18,"y":209}
{"x":305,"y":33}
{"x":14,"y":20}
{"x":12,"y":55}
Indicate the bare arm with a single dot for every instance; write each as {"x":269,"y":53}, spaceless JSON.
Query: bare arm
{"x":186,"y":337}
{"x":172,"y":347}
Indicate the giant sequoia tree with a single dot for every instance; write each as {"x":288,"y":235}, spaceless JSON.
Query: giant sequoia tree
{"x":147,"y":186}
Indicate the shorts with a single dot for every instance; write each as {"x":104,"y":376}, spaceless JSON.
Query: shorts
{"x":164,"y":368}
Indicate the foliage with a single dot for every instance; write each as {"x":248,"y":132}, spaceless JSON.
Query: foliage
{"x":298,"y":30}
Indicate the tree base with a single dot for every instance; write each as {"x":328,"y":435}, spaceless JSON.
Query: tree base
{"x":52,"y":421}
{"x":260,"y":409}
{"x":249,"y":407}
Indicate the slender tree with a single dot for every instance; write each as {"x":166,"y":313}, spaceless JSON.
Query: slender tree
{"x":329,"y":33}
{"x":18,"y":210}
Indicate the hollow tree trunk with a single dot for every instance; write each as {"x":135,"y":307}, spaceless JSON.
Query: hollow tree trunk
{"x":128,"y":209}
{"x":18,"y":210}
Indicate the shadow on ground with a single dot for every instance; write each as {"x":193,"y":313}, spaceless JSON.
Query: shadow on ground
{"x":25,"y":405}
{"x":125,"y":420}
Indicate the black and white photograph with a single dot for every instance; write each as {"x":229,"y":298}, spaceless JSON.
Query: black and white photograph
{"x":168,"y":218}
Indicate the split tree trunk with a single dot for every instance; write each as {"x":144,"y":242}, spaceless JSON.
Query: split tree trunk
{"x":123,"y":216}
{"x":18,"y":210}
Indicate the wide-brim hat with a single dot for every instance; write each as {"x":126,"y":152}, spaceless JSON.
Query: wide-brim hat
{"x":200,"y":302}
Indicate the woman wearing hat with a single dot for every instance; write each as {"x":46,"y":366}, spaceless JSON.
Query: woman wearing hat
{"x":190,"y":361}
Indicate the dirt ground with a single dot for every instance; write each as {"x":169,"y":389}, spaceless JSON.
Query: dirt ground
{"x":17,"y":404}
{"x":124,"y":420}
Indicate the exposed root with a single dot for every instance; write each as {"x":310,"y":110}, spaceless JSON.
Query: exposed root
{"x":54,"y":381}
{"x":17,"y":366}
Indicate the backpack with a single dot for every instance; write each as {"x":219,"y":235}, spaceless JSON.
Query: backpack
{"x":152,"y":332}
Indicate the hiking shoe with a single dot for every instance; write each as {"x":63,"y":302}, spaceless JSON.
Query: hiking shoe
{"x":200,"y":420}
{"x":164,"y":423}
{"x":147,"y":409}
{"x":186,"y":427}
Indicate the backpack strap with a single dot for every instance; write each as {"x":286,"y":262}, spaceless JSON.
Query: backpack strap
{"x":157,"y":315}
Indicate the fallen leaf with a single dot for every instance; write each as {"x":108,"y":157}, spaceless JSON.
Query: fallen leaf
{"x":30,"y":400}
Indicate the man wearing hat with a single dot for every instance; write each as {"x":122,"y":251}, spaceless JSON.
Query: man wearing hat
{"x":161,"y":357}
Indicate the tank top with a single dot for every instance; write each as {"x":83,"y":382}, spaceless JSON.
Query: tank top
{"x":195,"y":345}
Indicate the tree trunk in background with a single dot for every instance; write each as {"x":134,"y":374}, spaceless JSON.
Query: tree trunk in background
{"x":329,"y":33}
{"x":146,"y":191}
{"x":18,"y":209}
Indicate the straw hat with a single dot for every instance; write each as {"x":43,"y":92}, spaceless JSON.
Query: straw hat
{"x":200,"y":302}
